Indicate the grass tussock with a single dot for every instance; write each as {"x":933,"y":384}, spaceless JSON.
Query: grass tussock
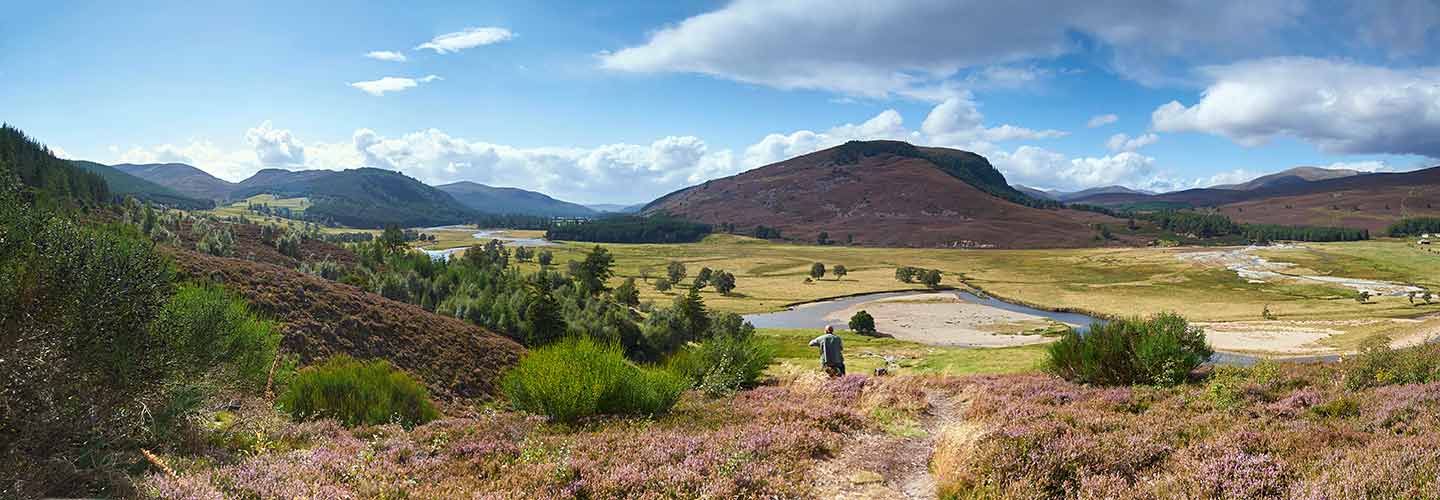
{"x":358,"y":392}
{"x":579,"y":377}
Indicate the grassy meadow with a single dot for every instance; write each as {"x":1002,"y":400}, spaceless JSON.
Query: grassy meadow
{"x":864,"y":354}
{"x":1106,"y":281}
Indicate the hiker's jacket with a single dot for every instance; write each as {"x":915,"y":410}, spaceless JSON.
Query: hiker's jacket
{"x":829,"y":348}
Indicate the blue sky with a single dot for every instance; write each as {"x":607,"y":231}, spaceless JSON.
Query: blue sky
{"x":610,"y":102}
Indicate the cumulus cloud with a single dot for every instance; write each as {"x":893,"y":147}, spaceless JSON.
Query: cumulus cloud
{"x":1101,"y":120}
{"x":1036,"y":166}
{"x":467,"y":39}
{"x":60,"y":153}
{"x":386,"y":55}
{"x":1122,"y":142}
{"x":391,"y":84}
{"x":1340,"y":107}
{"x":907,"y":47}
{"x":231,"y":165}
{"x":275,"y":148}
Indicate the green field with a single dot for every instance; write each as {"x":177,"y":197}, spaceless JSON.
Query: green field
{"x":1107,"y":281}
{"x":865,"y":354}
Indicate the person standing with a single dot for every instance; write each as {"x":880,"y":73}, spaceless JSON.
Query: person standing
{"x":831,"y":357}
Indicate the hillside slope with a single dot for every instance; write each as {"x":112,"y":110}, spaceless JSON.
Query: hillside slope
{"x":511,"y":201}
{"x":123,"y":184}
{"x":883,"y":193}
{"x":182,"y":178}
{"x":362,"y":197}
{"x":322,"y":318}
{"x":1297,"y":175}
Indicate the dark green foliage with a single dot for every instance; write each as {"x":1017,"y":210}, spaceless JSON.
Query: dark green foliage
{"x":724,"y":282}
{"x":1198,"y":224}
{"x":545,"y":258}
{"x":524,"y":254}
{"x":662,"y":284}
{"x":1412,"y":226}
{"x":1261,"y":233}
{"x":823,"y":238}
{"x":490,"y":255}
{"x":905,"y":274}
{"x":839,"y":271}
{"x":535,"y":222}
{"x":392,"y":238}
{"x":627,"y":293}
{"x":767,"y":233}
{"x":592,"y":273}
{"x":1160,"y":350}
{"x":687,"y":320}
{"x":729,"y":359}
{"x":357,"y":392}
{"x":632,"y":229}
{"x":45,"y":177}
{"x":702,"y":278}
{"x":580,"y":377}
{"x":542,"y":321}
{"x":817,"y":270}
{"x":931,"y":278}
{"x":675,"y":270}
{"x":863,"y":323}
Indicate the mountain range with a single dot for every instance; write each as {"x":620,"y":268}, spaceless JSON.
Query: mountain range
{"x":875,"y":192}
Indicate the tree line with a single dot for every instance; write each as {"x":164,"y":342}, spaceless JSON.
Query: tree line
{"x":632,"y":229}
{"x":1412,"y":226}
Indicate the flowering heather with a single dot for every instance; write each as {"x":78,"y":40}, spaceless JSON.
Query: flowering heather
{"x":759,"y":443}
{"x":1272,"y":432}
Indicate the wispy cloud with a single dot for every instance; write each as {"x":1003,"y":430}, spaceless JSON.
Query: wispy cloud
{"x":386,"y":55}
{"x":470,"y":38}
{"x":392,"y":84}
{"x":1102,"y":120}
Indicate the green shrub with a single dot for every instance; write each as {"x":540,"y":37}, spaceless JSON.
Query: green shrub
{"x":731,"y":358}
{"x":1377,"y":364}
{"x":1160,"y":350}
{"x":578,"y":377}
{"x":204,"y":328}
{"x":862,"y":323}
{"x":357,"y":393}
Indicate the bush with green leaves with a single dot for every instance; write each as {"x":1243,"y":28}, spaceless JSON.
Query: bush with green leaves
{"x":730,"y":358}
{"x":578,"y":377}
{"x":213,"y":237}
{"x":1160,"y":350}
{"x":1378,"y":364}
{"x":206,"y":328}
{"x":862,"y":323}
{"x":357,"y":392}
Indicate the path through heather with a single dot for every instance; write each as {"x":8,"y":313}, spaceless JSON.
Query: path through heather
{"x":880,"y":465}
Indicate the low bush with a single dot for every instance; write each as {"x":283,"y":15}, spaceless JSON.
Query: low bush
{"x":577,"y":377}
{"x":730,"y":359}
{"x":1378,"y":364}
{"x":205,"y":328}
{"x":1160,"y":350}
{"x":357,"y":392}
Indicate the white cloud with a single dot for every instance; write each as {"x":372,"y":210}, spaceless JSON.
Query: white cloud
{"x":1362,"y":166}
{"x":1236,"y":176}
{"x":275,"y":148}
{"x":909,"y":47}
{"x":391,"y":84}
{"x":231,"y":165}
{"x":469,"y":38}
{"x":1340,"y":107}
{"x":386,"y":55}
{"x":1035,"y":166}
{"x":60,"y":153}
{"x":1122,"y":142}
{"x":1101,"y":120}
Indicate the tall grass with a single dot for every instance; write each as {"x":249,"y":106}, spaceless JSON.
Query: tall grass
{"x":358,"y":393}
{"x":578,"y":377}
{"x":1160,"y":350}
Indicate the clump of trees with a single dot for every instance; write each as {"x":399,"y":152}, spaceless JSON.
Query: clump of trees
{"x":1412,"y":226}
{"x":213,"y":237}
{"x":632,"y":229}
{"x":817,"y":270}
{"x":929,"y":277}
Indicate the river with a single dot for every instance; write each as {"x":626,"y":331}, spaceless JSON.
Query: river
{"x":484,"y":235}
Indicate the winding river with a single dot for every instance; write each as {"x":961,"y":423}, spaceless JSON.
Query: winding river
{"x":484,"y":235}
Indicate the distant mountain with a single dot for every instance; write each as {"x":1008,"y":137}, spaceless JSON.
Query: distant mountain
{"x":1112,"y":190}
{"x":1297,"y":175}
{"x":123,"y":184}
{"x":884,"y":193}
{"x":362,"y":197}
{"x":1038,"y":193}
{"x":182,"y":178}
{"x":615,"y":208}
{"x":511,"y":201}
